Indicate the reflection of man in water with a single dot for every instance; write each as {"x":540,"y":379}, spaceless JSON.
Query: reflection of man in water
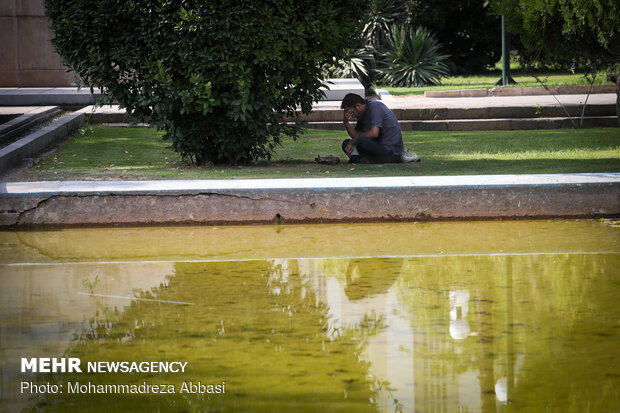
{"x":365,"y":278}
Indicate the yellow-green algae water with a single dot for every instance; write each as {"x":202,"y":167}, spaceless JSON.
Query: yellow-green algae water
{"x":424,"y":317}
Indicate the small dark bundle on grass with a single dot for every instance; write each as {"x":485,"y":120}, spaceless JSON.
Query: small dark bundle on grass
{"x":327,"y":160}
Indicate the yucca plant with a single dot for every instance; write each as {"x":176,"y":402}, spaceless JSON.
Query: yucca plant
{"x":382,"y":14}
{"x":412,"y":58}
{"x":355,"y":63}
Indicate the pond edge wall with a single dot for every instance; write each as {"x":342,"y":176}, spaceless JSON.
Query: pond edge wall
{"x":281,"y":201}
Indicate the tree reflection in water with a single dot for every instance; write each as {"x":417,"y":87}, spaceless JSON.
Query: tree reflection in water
{"x":446,"y":333}
{"x":256,"y":325}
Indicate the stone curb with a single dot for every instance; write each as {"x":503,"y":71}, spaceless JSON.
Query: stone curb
{"x":488,"y":124}
{"x":74,"y":97}
{"x":309,"y":200}
{"x":325,"y":116}
{"x":47,"y":97}
{"x":518,"y":91}
{"x":333,"y":89}
{"x":38,"y":141}
{"x":507,"y":124}
{"x":17,"y":125}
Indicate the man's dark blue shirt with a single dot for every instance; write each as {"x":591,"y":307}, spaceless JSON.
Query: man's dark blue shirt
{"x":377,"y":114}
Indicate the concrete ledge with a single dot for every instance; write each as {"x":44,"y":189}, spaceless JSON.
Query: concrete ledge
{"x":519,"y":91}
{"x":493,"y":124}
{"x":309,"y":200}
{"x":456,"y":93}
{"x":384,"y":95}
{"x":331,"y":112}
{"x":334,"y":89}
{"x":105,"y":114}
{"x":337,"y":89}
{"x":38,"y":141}
{"x":21,"y":123}
{"x":61,"y":96}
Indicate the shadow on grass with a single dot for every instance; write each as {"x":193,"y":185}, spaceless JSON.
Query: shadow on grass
{"x":433,"y":166}
{"x":526,"y":166}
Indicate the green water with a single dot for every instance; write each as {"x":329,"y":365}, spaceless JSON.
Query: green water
{"x":432,"y":317}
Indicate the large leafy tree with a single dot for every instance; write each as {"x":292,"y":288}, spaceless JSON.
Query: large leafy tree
{"x":565,"y":31}
{"x":219,"y":77}
{"x":467,"y":29}
{"x":576,"y":34}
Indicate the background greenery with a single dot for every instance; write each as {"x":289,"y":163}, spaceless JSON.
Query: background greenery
{"x":560,"y":35}
{"x":220,"y":78}
{"x":467,"y":34}
{"x":569,"y":33}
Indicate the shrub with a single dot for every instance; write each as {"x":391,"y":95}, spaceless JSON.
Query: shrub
{"x":412,"y":58}
{"x":219,"y":77}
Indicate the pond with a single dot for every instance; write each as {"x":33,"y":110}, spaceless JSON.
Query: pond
{"x":402,"y":317}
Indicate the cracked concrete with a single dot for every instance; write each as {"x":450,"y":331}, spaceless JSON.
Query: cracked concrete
{"x":309,"y":200}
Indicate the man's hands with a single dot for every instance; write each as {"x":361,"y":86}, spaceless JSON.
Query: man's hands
{"x":349,"y":148}
{"x":348,"y":115}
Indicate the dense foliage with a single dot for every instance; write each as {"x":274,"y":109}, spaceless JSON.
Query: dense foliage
{"x":568,"y":32}
{"x":469,"y":31}
{"x":574,"y":34}
{"x":219,"y":77}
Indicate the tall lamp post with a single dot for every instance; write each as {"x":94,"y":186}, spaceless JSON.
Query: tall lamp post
{"x":506,"y":78}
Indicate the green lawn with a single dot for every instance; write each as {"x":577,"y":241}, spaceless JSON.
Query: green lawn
{"x":140,"y":153}
{"x":488,"y":81}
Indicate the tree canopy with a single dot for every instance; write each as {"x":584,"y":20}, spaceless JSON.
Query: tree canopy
{"x":219,"y":77}
{"x":567,"y":32}
{"x":574,"y":34}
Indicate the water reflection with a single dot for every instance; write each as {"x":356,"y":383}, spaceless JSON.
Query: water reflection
{"x":459,"y":309}
{"x":453,"y":331}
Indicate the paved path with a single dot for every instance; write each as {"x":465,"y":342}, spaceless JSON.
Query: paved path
{"x":19,"y":110}
{"x":115,"y":114}
{"x":46,"y":96}
{"x":500,"y":101}
{"x":483,"y":102}
{"x":56,"y":96}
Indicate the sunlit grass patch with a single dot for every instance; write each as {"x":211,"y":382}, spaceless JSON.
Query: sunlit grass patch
{"x":140,"y":153}
{"x":488,"y":81}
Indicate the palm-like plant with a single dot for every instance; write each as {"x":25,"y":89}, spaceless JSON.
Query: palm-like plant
{"x":360,"y":62}
{"x":382,"y":15}
{"x":355,"y":63}
{"x":412,"y":58}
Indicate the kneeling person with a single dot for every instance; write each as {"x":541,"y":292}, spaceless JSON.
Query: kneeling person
{"x":376,"y":137}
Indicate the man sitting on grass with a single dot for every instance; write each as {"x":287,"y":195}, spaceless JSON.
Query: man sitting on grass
{"x":376,"y":137}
